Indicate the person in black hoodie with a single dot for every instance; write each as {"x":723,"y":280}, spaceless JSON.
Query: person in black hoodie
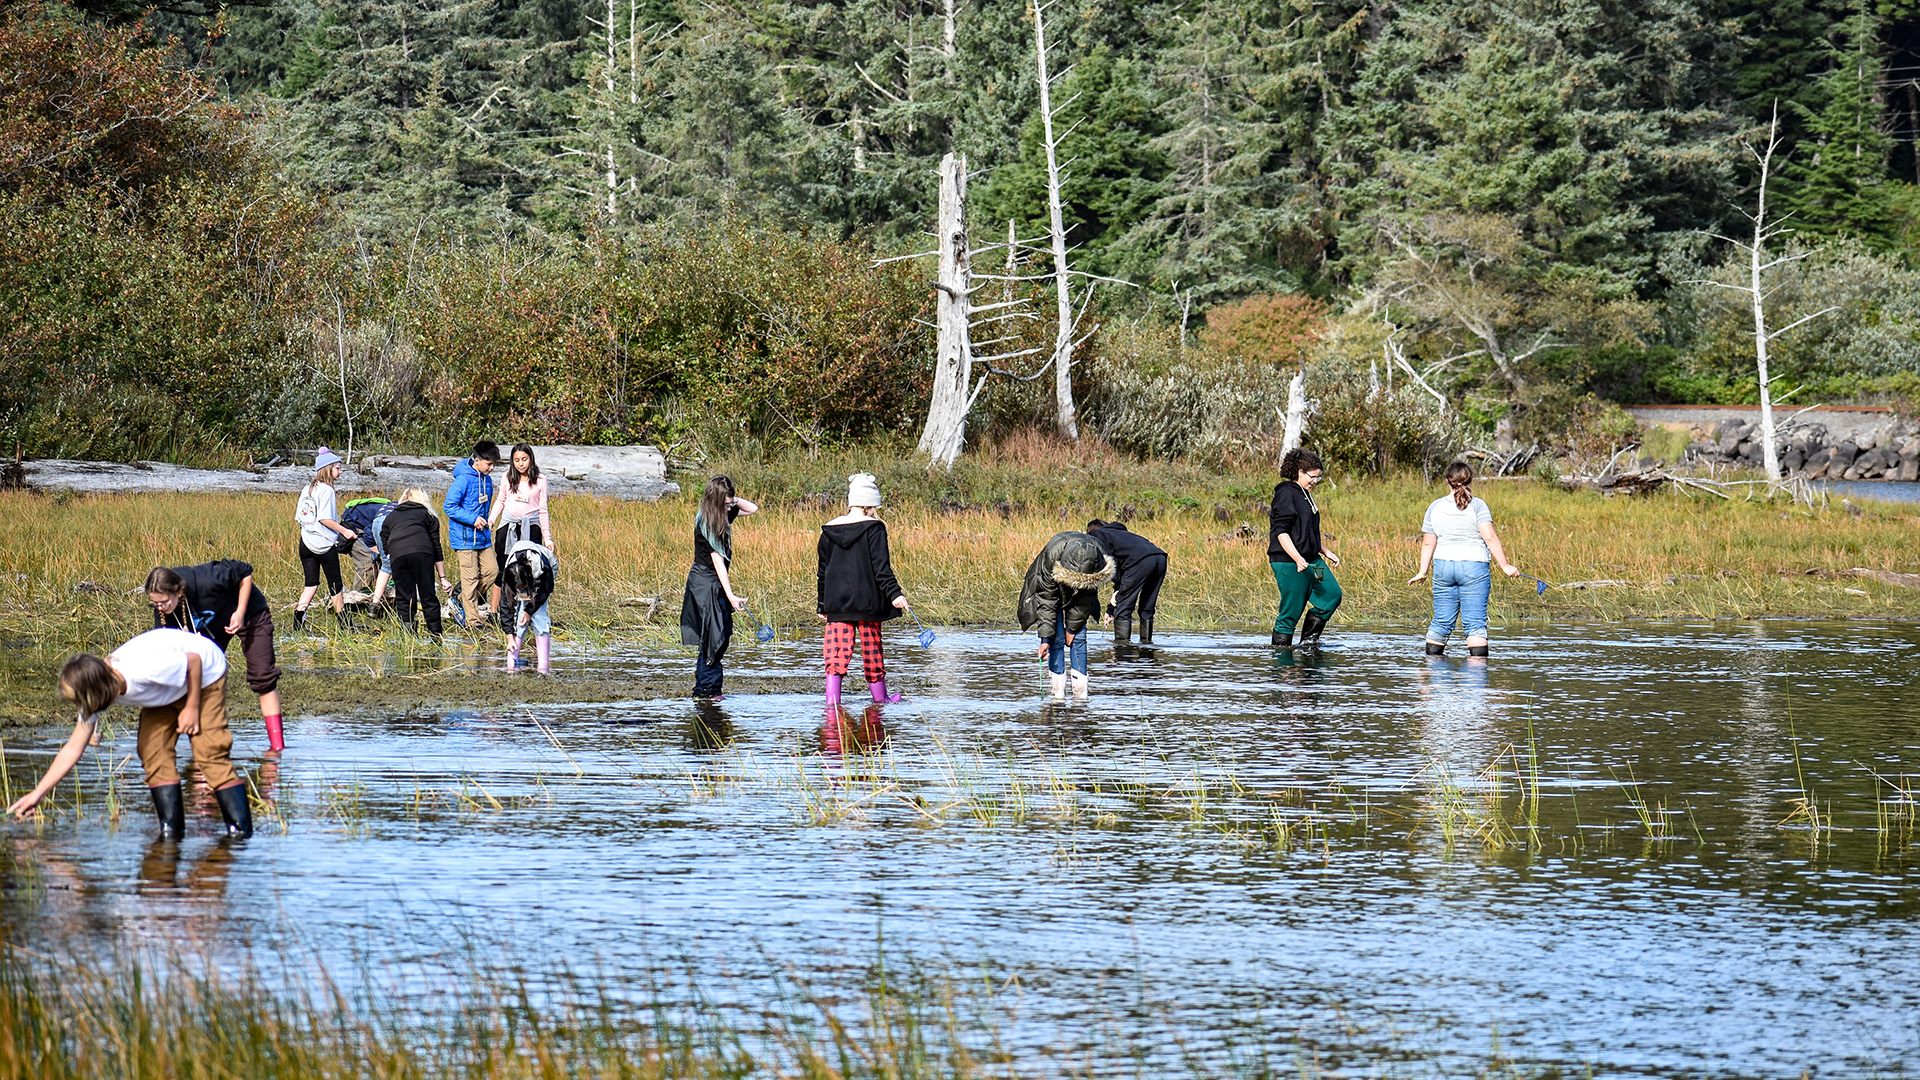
{"x":1141,"y":569}
{"x":1060,"y":595}
{"x":412,"y":540}
{"x":218,"y":601}
{"x":1300,"y":558}
{"x":857,"y":588}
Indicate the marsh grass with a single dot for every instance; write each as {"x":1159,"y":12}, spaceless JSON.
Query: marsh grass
{"x":962,"y":541}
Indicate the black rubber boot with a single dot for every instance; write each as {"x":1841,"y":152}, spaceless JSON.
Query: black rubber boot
{"x":1476,"y":650}
{"x":299,"y":618}
{"x":1122,"y":631}
{"x":171,"y":812}
{"x":234,"y":808}
{"x":1436,"y":650}
{"x":1146,"y":629}
{"x":1282,"y":641}
{"x":1310,"y":627}
{"x":345,"y":620}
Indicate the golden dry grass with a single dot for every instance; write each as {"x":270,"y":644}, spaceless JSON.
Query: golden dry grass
{"x":1678,"y":557}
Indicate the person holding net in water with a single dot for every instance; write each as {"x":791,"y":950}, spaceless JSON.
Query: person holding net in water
{"x":857,"y":590}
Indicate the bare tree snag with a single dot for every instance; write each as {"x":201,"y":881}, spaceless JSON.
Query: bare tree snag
{"x":946,"y":428}
{"x":1063,"y":280}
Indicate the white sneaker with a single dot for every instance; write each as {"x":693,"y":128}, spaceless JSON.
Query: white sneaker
{"x":1079,"y":686}
{"x":1058,"y":685}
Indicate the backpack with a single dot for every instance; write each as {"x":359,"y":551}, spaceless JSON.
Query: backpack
{"x":307,"y":510}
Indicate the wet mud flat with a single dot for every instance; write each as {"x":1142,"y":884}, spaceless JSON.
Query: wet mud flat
{"x":1612,"y":850}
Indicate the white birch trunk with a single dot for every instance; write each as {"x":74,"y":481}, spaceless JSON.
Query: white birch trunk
{"x":1771,"y":452}
{"x":1296,"y":412}
{"x":1063,"y":282}
{"x":613,"y":127}
{"x":946,"y":428}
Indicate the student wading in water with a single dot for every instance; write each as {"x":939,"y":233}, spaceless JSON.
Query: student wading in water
{"x":857,"y":589}
{"x":219,"y":601}
{"x":1061,"y":594}
{"x":1458,"y":542}
{"x":1142,"y":569}
{"x":178,"y":682}
{"x":1299,"y":557}
{"x":706,"y":612}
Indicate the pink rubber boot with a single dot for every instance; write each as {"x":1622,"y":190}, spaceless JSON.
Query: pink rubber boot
{"x":276,"y":736}
{"x":881,"y":696}
{"x":513,"y":652}
{"x":833,"y":689}
{"x":543,"y":650}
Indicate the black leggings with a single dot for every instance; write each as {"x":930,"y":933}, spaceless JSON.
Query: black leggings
{"x":311,"y":565}
{"x":413,"y":583}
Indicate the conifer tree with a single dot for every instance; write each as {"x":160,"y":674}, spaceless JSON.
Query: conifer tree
{"x":1836,"y":182}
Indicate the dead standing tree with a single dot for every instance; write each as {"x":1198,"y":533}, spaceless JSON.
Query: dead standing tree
{"x":955,"y":388}
{"x":1756,"y":292}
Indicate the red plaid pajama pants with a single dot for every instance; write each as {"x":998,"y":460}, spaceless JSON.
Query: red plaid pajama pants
{"x":837,"y":647}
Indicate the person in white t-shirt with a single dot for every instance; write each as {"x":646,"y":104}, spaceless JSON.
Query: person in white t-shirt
{"x":177,"y":680}
{"x":1459,"y":545}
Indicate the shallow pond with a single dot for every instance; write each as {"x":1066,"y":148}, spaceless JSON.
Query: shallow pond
{"x":1623,"y":849}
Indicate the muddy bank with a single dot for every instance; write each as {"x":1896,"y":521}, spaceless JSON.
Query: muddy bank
{"x":619,"y":472}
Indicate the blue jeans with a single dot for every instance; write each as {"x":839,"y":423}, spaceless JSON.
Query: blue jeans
{"x":1460,"y":591}
{"x":1057,"y":648}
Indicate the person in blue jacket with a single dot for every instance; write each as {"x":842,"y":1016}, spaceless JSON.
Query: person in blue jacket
{"x":468,"y":502}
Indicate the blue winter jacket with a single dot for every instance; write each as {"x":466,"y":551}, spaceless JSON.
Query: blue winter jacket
{"x":468,"y":501}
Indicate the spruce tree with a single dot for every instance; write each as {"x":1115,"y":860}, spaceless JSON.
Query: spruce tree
{"x":1836,"y":182}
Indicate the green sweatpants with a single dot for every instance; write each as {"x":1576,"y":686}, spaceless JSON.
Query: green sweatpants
{"x":1298,"y":588}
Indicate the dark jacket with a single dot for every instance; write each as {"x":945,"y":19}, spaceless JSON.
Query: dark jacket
{"x":1130,"y":552}
{"x":213,"y":590}
{"x":1065,"y":576}
{"x":856,"y":576}
{"x":528,"y":575}
{"x":1295,"y":515}
{"x":412,"y":530}
{"x":358,"y":515}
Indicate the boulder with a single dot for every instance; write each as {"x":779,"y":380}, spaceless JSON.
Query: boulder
{"x":1909,"y":470}
{"x":1817,"y":462}
{"x":1868,"y":441}
{"x":1843,"y":456}
{"x":1793,"y":459}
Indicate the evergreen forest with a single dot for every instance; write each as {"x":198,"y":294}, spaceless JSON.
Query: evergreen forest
{"x":226,"y":229}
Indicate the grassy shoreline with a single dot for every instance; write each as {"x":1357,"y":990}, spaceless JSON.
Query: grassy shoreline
{"x":961,"y":542}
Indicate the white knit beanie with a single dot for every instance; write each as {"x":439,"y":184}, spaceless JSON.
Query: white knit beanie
{"x":863,"y":490}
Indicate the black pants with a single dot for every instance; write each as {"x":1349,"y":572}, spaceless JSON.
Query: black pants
{"x":413,"y":583}
{"x":1142,"y":586}
{"x":311,"y":566}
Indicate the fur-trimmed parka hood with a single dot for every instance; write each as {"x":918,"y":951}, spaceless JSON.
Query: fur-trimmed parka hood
{"x":1065,"y":577}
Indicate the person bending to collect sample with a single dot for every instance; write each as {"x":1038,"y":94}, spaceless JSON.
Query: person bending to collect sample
{"x":411,"y":539}
{"x":857,"y":589}
{"x":1140,"y":569}
{"x":527,"y":578}
{"x":219,"y":601}
{"x":178,"y":682}
{"x":1299,"y":557}
{"x":1060,"y":595}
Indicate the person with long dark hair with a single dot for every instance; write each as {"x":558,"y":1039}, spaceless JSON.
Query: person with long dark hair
{"x":1302,"y":562}
{"x":706,"y":610}
{"x":219,"y":601}
{"x":519,"y":513}
{"x":1459,"y":544}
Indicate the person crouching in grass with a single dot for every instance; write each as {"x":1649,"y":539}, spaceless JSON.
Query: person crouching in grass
{"x":219,"y":601}
{"x":178,"y":682}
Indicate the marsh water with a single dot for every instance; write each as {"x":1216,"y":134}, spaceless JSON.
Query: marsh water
{"x":1625,"y":849}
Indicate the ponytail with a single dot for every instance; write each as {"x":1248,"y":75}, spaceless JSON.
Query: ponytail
{"x":1460,"y":479}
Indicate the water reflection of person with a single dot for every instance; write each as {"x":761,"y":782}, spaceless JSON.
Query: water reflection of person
{"x":206,"y":876}
{"x":1457,"y":715}
{"x":841,"y":734}
{"x":711,"y":729}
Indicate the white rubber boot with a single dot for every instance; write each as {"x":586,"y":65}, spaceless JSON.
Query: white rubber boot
{"x":1079,"y":686}
{"x":1057,"y":685}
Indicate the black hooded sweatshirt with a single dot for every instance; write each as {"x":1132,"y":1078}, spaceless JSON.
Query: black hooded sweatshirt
{"x":856,"y":573}
{"x":1294,"y":514}
{"x":213,"y":590}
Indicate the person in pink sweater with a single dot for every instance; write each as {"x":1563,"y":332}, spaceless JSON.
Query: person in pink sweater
{"x":519,"y":513}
